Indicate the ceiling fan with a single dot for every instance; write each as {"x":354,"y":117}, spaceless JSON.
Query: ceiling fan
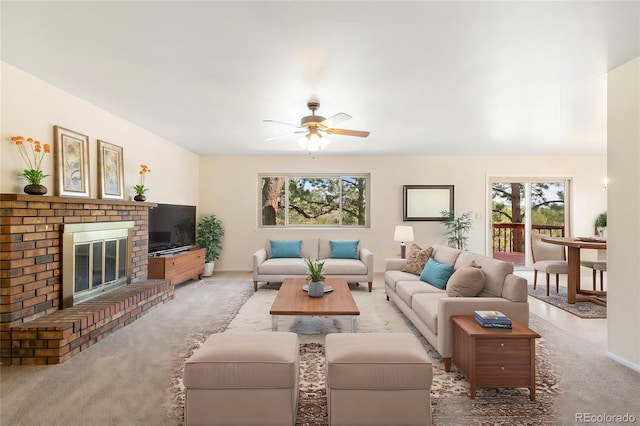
{"x":313,"y":126}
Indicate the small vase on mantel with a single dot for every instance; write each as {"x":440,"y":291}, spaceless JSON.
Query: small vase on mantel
{"x":140,"y":197}
{"x":35,"y":189}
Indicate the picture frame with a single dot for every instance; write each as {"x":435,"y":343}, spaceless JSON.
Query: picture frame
{"x":110,"y":171}
{"x":426,"y":202}
{"x":72,"y":163}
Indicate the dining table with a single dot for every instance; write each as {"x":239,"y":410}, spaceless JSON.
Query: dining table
{"x":574,"y":246}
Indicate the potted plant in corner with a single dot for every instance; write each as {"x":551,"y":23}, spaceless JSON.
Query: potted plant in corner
{"x":209,"y":234}
{"x":601,"y":225}
{"x":457,"y":228}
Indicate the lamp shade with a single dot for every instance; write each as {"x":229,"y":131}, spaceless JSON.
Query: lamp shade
{"x":403,"y":233}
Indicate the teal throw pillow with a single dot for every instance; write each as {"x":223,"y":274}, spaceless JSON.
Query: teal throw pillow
{"x":344,"y":249}
{"x":286,"y":248}
{"x":435,"y":273}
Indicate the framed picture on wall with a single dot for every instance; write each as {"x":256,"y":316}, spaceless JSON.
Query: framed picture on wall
{"x":72,"y":163}
{"x":426,"y":202}
{"x":110,"y":171}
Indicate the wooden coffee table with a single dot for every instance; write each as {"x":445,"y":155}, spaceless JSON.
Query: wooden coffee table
{"x":293,"y":300}
{"x":495,"y":357}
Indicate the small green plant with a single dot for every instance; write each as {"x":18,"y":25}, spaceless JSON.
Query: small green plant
{"x":209,"y":234}
{"x":315,"y":269}
{"x":457,"y":228}
{"x":601,"y":220}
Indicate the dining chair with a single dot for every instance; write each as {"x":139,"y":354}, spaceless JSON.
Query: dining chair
{"x":548,"y":258}
{"x":595,"y":265}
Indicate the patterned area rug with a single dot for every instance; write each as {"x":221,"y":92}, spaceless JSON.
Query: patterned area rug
{"x":580,"y":309}
{"x":450,"y":400}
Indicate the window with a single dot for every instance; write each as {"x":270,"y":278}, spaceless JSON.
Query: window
{"x":315,"y":201}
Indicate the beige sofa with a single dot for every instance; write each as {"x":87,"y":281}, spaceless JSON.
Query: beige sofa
{"x":268,"y":269}
{"x":430,"y":309}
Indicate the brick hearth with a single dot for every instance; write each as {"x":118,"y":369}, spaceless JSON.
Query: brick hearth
{"x":33,"y":329}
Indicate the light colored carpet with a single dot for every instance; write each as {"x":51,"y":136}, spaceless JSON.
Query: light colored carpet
{"x":126,"y":379}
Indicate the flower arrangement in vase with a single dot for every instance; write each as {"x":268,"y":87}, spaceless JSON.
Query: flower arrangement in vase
{"x":33,"y":158}
{"x":316,"y":286}
{"x":140,"y":189}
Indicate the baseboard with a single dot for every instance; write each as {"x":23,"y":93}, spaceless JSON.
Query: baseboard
{"x":624,"y":361}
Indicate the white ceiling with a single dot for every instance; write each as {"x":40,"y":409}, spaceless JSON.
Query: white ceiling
{"x":437,"y":78}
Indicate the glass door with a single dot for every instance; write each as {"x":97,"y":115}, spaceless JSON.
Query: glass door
{"x":520,"y":206}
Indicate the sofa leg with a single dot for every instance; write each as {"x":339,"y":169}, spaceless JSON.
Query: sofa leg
{"x":447,"y":364}
{"x":255,"y":286}
{"x":370,"y":286}
{"x":387,"y":297}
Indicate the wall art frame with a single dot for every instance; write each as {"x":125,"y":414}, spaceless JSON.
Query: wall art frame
{"x":110,"y":171}
{"x":426,"y":202}
{"x":72,"y":163}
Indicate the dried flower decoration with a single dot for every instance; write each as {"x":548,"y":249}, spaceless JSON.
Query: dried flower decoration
{"x":140,"y":189}
{"x":32,"y":156}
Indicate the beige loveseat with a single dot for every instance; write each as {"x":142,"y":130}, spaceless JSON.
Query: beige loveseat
{"x":430,"y":308}
{"x":268,"y":269}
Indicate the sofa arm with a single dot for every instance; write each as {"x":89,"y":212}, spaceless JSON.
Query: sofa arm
{"x":366,"y":256}
{"x":515,"y":288}
{"x":450,"y":306}
{"x":394,"y":264}
{"x":258,"y":258}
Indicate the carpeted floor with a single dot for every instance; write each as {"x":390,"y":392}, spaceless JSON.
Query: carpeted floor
{"x":129,"y":378}
{"x":580,"y":309}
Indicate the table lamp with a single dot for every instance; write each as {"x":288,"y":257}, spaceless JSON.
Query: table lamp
{"x":403,"y":234}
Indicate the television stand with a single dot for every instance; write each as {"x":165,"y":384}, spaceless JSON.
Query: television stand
{"x":177,"y":268}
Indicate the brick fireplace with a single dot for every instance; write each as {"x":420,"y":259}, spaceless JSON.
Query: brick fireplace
{"x":31,"y":258}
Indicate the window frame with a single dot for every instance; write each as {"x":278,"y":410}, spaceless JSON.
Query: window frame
{"x":289,"y":176}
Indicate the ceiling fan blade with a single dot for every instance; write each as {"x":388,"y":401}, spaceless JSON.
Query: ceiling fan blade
{"x":347,"y":132}
{"x":286,"y":134}
{"x":281,"y":122}
{"x":335,"y":119}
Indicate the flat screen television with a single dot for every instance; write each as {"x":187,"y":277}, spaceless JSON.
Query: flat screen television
{"x":172,"y":228}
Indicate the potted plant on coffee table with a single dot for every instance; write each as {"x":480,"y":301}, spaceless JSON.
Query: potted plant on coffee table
{"x":316,"y":285}
{"x":209,"y":234}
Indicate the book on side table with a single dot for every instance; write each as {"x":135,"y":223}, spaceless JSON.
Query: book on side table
{"x":492,"y":319}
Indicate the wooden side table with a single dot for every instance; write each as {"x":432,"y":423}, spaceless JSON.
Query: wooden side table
{"x":495,"y":357}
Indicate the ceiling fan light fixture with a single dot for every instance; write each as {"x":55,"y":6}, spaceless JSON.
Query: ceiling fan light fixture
{"x":313,"y":142}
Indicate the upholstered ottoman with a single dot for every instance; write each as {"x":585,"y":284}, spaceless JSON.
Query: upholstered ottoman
{"x":377,"y":379}
{"x":243,"y":379}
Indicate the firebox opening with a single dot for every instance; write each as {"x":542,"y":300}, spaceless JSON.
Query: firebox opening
{"x":96,"y":259}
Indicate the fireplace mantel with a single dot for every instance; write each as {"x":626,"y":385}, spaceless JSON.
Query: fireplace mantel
{"x":31,"y":251}
{"x":73,"y":200}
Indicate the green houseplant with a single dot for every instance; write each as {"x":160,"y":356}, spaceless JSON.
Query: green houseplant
{"x":457,"y":228}
{"x":316,"y":286}
{"x":601,"y":224}
{"x":209,"y":234}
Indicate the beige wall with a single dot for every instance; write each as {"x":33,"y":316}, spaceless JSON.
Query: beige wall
{"x":31,"y":107}
{"x":229,"y":188}
{"x":623,"y":134}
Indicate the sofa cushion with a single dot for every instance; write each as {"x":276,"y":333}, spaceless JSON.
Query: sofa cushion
{"x":344,"y":249}
{"x":467,"y":281}
{"x":495,"y":272}
{"x":425,"y":306}
{"x":283,"y":266}
{"x":436,"y":273}
{"x":416,"y":259}
{"x":285,"y":248}
{"x":445,"y":254}
{"x":392,"y":277}
{"x":344,"y":267}
{"x":407,"y":289}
